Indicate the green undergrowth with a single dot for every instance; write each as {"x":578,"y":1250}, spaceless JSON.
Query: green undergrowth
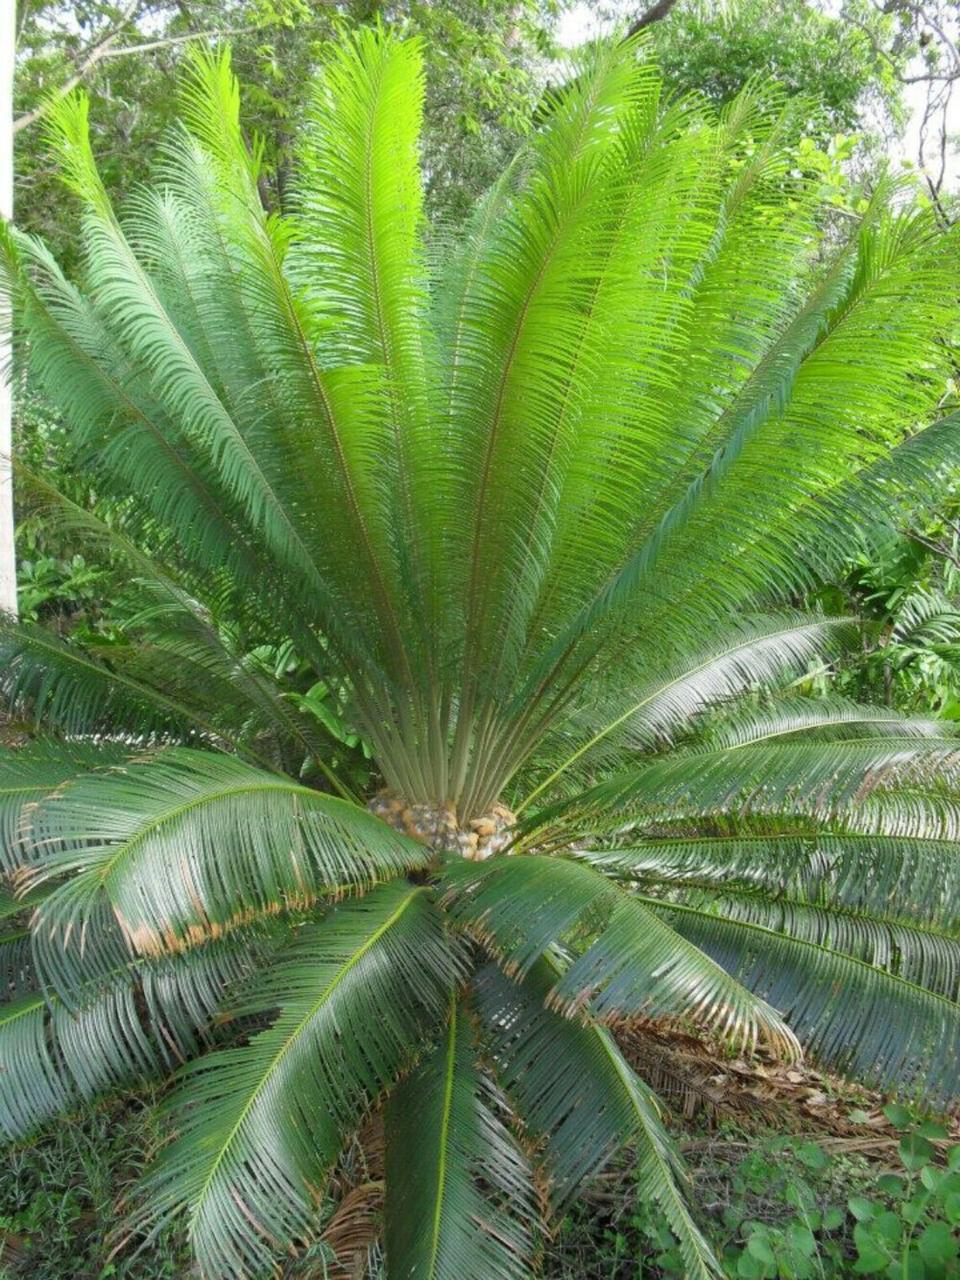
{"x":773,"y":1208}
{"x":60,"y":1200}
{"x":786,"y":1208}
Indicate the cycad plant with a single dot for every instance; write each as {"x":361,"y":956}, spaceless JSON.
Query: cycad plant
{"x":524,"y":509}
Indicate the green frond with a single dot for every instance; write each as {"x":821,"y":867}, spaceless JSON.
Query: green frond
{"x":184,"y":844}
{"x":58,"y":684}
{"x":581,"y":1102}
{"x":329,"y":429}
{"x":901,"y":878}
{"x":884,"y":1030}
{"x":133,"y":1023}
{"x":826,"y":781}
{"x":31,"y":1087}
{"x":924,"y":955}
{"x":459,"y":1193}
{"x":31,"y":772}
{"x":120,"y":432}
{"x":125,"y":291}
{"x":520,"y":347}
{"x":649,"y":715}
{"x":631,"y":966}
{"x":258,"y":1127}
{"x":16,"y":971}
{"x":822,"y":719}
{"x":764,"y":394}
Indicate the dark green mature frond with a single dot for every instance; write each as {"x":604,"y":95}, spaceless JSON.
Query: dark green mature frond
{"x":459,"y":1202}
{"x":872,"y":1024}
{"x":817,"y":780}
{"x":39,"y":1091}
{"x":133,"y":1023}
{"x":182,"y":845}
{"x":634,"y":967}
{"x":54,"y":683}
{"x":823,"y":719}
{"x":16,"y":971}
{"x":258,"y":1127}
{"x":902,"y":878}
{"x":581,"y":1102}
{"x":176,"y":640}
{"x":33,"y":771}
{"x":926,"y":956}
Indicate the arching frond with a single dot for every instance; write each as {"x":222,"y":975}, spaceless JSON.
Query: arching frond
{"x":582,"y":1102}
{"x":900,"y":878}
{"x":822,"y":719}
{"x":818,"y":780}
{"x":181,"y":845}
{"x":924,"y":955}
{"x":633,"y":966}
{"x":459,"y":1193}
{"x":59,"y":685}
{"x":131,"y":1024}
{"x":33,"y":771}
{"x":258,"y":1127}
{"x":752,"y":657}
{"x":884,"y":1029}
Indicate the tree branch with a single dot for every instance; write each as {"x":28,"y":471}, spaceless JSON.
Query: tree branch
{"x":99,"y":51}
{"x":655,"y":13}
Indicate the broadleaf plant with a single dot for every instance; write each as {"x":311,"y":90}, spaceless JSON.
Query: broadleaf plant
{"x":527,"y":508}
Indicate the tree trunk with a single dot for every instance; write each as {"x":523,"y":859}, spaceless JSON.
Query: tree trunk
{"x":8,"y":564}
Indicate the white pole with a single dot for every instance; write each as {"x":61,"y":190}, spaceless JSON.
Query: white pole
{"x":8,"y":563}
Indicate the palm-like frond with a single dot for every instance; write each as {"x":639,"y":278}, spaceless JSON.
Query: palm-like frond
{"x":460,"y":1201}
{"x":531,"y":504}
{"x":28,"y":774}
{"x":524,"y":906}
{"x":118,"y":1027}
{"x":901,"y":878}
{"x":182,"y":845}
{"x":581,"y":1101}
{"x":259,"y":1126}
{"x":864,"y":1032}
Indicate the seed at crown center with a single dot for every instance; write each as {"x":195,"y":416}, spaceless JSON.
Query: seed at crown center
{"x":438,"y":826}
